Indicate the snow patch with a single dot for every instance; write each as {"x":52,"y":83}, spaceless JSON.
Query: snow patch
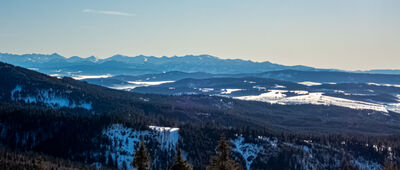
{"x":387,"y":85}
{"x":320,"y":99}
{"x":149,"y":83}
{"x":273,"y":143}
{"x":316,"y":98}
{"x":81,"y":77}
{"x":299,"y":92}
{"x":229,"y":91}
{"x":124,"y":87}
{"x":366,"y":165}
{"x":168,"y":137}
{"x":271,"y":97}
{"x":34,"y":69}
{"x":279,"y":86}
{"x":248,"y":151}
{"x":205,"y":90}
{"x":134,"y":84}
{"x":49,"y":98}
{"x":259,"y":88}
{"x":309,"y":83}
{"x":394,"y":107}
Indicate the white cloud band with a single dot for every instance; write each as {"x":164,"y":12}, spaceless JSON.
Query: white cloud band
{"x":93,"y":11}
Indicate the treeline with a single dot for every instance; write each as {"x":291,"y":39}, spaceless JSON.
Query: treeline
{"x":11,"y":160}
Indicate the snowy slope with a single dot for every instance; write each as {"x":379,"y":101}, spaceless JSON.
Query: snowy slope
{"x":125,"y":140}
{"x":248,"y":151}
{"x":47,"y":97}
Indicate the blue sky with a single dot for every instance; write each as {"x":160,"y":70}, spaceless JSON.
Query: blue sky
{"x":345,"y":34}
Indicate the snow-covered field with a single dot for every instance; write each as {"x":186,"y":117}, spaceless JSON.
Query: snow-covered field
{"x":318,"y":98}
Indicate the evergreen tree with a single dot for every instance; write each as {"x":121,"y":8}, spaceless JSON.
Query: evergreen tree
{"x":222,"y":161}
{"x":142,"y":158}
{"x":389,"y":165}
{"x":180,"y":164}
{"x":346,"y":165}
{"x":110,"y":161}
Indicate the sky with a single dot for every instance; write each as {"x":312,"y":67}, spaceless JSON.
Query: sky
{"x":342,"y":34}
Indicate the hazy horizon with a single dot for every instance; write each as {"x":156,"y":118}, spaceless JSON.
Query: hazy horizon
{"x":340,"y":34}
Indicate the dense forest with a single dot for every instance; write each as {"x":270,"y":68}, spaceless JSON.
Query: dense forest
{"x":73,"y":137}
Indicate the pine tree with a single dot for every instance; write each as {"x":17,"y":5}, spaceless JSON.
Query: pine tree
{"x":222,"y":161}
{"x":180,"y":164}
{"x":142,"y":158}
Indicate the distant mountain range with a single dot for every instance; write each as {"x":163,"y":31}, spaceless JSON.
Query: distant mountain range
{"x":56,"y":64}
{"x":119,"y":64}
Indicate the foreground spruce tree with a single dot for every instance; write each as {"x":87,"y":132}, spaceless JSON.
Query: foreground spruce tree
{"x":142,"y":158}
{"x":180,"y":164}
{"x":222,"y":161}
